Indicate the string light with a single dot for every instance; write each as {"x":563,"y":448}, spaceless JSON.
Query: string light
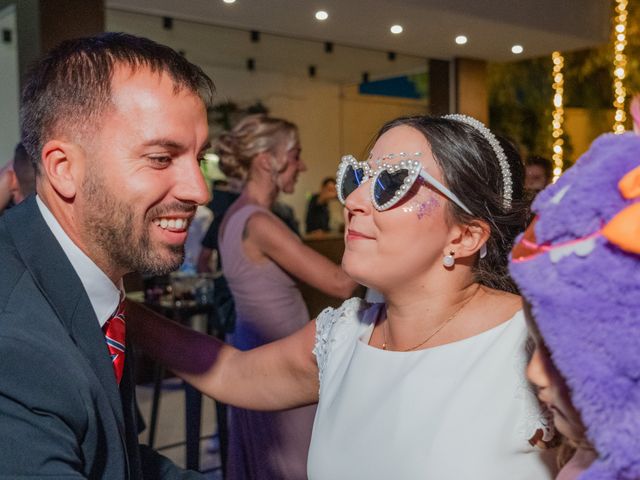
{"x":619,"y":65}
{"x":558,"y":114}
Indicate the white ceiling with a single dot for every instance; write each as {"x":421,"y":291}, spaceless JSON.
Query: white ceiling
{"x":213,"y":47}
{"x":430,"y":26}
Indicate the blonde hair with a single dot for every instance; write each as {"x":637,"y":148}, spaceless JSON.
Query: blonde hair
{"x":251,"y":136}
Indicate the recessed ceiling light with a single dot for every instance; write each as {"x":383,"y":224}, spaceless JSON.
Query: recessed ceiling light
{"x":517,"y":49}
{"x":229,"y":1}
{"x":396,"y":29}
{"x":321,"y":15}
{"x":461,"y":39}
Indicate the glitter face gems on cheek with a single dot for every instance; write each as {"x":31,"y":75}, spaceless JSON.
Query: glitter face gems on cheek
{"x":427,"y":207}
{"x":422,"y":207}
{"x":411,"y":207}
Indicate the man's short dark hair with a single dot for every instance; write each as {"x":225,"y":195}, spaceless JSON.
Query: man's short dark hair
{"x":70,"y":88}
{"x":326,"y":181}
{"x":23,"y":168}
{"x":543,"y":163}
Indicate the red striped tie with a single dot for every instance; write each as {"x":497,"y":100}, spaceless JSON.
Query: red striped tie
{"x":114,"y":331}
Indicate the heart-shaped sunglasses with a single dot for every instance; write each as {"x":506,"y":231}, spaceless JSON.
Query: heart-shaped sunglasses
{"x":390,"y":182}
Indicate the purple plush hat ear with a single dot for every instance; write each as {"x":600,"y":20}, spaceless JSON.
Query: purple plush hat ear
{"x":585,"y":296}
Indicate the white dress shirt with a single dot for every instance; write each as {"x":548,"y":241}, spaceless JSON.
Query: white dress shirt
{"x":103,"y":294}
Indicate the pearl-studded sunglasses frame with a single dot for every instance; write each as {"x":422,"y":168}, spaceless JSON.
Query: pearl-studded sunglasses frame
{"x":349,"y":165}
{"x":414,"y":169}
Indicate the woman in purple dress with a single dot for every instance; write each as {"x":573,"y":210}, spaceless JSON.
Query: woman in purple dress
{"x":261,"y":257}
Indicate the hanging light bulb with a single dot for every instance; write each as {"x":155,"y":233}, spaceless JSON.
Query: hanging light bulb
{"x":619,"y":65}
{"x":558,"y":114}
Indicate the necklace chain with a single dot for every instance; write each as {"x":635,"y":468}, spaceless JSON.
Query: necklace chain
{"x":387,"y":346}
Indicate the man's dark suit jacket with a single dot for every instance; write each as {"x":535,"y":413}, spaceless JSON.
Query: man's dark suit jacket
{"x":61,"y":413}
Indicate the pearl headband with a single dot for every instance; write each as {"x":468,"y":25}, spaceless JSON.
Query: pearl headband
{"x":497,"y":148}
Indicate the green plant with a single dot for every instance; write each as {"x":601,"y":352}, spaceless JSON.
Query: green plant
{"x":520,"y":93}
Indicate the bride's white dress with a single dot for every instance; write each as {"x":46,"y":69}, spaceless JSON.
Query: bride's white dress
{"x":454,"y":412}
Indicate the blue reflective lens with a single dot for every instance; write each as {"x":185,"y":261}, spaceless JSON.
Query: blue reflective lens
{"x":387,"y":184}
{"x":351,"y":180}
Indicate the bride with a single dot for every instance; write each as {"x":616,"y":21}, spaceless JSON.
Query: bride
{"x":431,"y":383}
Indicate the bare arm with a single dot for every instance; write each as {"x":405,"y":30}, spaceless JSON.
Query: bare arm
{"x":277,"y":242}
{"x":279,"y":375}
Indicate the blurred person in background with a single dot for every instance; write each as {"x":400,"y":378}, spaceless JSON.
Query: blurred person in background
{"x":193,"y":246}
{"x":261,"y":260}
{"x":538,"y":174}
{"x":17,"y":179}
{"x":223,"y":194}
{"x":6,"y":180}
{"x":317,"y":220}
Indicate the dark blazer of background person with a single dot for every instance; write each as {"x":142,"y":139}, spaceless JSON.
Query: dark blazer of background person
{"x":61,"y":412}
{"x":317,"y":215}
{"x":317,"y":219}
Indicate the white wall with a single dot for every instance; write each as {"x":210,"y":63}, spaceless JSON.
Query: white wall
{"x":9,"y":89}
{"x":312,"y":105}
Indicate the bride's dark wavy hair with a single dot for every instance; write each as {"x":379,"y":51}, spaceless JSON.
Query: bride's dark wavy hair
{"x":472,"y":171}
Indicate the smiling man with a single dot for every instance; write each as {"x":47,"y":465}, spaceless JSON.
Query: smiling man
{"x":117,"y":126}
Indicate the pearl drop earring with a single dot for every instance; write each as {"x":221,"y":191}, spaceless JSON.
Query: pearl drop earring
{"x":448,"y":260}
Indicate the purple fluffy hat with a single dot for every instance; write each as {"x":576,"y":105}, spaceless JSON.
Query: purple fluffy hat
{"x":578,"y":265}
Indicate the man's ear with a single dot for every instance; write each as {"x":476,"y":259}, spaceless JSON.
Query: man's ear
{"x":62,"y":164}
{"x":470,"y":238}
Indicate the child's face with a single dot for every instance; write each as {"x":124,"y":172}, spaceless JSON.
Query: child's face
{"x":552,"y":389}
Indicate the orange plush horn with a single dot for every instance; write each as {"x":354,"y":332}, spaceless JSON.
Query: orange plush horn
{"x":629,"y":185}
{"x":624,"y":229}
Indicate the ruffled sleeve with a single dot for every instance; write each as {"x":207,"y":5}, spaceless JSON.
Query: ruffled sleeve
{"x":332,"y":325}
